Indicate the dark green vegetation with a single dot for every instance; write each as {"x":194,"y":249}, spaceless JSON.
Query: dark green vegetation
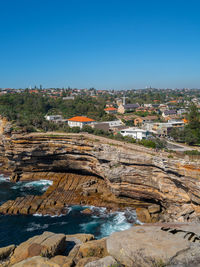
{"x":192,"y":152}
{"x":191,"y":132}
{"x":27,"y":110}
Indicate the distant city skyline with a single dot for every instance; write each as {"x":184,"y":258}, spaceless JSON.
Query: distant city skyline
{"x":105,"y":44}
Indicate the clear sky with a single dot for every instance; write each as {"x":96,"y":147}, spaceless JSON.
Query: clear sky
{"x":106,"y":44}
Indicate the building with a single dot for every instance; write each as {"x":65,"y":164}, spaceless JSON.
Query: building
{"x":169,"y":113}
{"x":68,"y":98}
{"x":54,"y":118}
{"x":127,"y":108}
{"x":141,"y":120}
{"x":79,"y":121}
{"x":110,"y":110}
{"x":181,"y":111}
{"x":163,"y":128}
{"x":111,"y":126}
{"x":135,"y":133}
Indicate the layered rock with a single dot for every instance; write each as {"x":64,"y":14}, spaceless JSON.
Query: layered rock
{"x":87,"y":169}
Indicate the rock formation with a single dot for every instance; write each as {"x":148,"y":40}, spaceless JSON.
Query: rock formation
{"x":150,"y":245}
{"x":92,"y":170}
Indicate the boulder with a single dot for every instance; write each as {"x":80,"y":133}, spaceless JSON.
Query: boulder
{"x":60,"y":260}
{"x":36,"y":261}
{"x":48,"y":244}
{"x":85,"y":261}
{"x":87,"y":211}
{"x":77,"y":239}
{"x":143,"y":215}
{"x":5,"y":252}
{"x":156,"y":245}
{"x":95,"y":248}
{"x":106,"y":261}
{"x":154,"y":208}
{"x":81,"y":237}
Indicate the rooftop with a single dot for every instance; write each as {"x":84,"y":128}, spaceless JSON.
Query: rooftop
{"x":80,"y":119}
{"x":110,"y":109}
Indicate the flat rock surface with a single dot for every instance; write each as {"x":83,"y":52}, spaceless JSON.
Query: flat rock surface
{"x":150,"y":245}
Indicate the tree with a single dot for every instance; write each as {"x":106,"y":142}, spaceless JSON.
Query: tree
{"x":194,"y":117}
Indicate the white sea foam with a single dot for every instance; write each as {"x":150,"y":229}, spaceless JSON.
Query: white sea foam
{"x":88,"y":227}
{"x":36,"y":226}
{"x":115,"y":224}
{"x":110,"y":222}
{"x":44,"y":184}
{"x":48,"y":215}
{"x":37,"y":215}
{"x":40,"y":184}
{"x":4,"y":179}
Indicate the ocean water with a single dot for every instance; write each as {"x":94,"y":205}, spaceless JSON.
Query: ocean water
{"x":15,"y":229}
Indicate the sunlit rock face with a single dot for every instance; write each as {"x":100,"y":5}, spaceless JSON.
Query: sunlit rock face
{"x":88,"y":169}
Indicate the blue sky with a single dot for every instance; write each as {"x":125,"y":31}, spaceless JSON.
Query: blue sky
{"x":106,"y":44}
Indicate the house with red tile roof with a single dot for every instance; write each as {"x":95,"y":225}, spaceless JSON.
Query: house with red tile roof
{"x":110,"y":110}
{"x":80,"y":121}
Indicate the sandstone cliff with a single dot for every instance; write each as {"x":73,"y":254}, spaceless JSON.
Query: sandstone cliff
{"x":92,"y":170}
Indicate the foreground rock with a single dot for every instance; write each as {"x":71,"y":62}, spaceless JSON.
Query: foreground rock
{"x":157,"y":245}
{"x":150,"y":245}
{"x":48,"y":244}
{"x":6,"y":252}
{"x":106,"y":261}
{"x":36,"y":261}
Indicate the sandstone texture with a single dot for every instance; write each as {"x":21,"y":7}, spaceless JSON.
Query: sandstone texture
{"x":157,"y":245}
{"x":104,"y":262}
{"x":91,"y":170}
{"x":6,"y":252}
{"x":48,"y":244}
{"x":36,"y":261}
{"x":149,"y":245}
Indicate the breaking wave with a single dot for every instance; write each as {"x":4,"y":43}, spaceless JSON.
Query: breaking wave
{"x":4,"y":179}
{"x":110,"y":222}
{"x":41,"y":185}
{"x":101,"y":222}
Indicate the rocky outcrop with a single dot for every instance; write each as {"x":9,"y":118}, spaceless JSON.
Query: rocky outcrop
{"x":47,"y":245}
{"x":6,"y":252}
{"x":91,"y":170}
{"x":150,"y":245}
{"x":156,"y":245}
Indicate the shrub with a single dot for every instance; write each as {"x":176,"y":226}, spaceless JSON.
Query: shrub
{"x":192,"y":152}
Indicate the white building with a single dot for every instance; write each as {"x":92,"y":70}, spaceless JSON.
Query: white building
{"x":54,"y":117}
{"x":135,"y":133}
{"x":79,"y":121}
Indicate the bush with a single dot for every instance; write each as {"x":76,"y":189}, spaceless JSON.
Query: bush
{"x":88,"y":129}
{"x":147,"y":143}
{"x":192,"y":152}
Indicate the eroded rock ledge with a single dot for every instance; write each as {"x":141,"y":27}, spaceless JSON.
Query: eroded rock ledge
{"x":148,"y":246}
{"x":87,"y":169}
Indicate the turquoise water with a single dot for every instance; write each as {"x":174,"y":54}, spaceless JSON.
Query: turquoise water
{"x":18,"y":228}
